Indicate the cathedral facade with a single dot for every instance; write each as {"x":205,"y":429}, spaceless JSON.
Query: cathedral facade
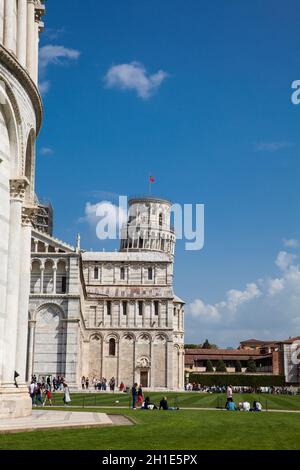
{"x":20,"y":121}
{"x":101,"y":314}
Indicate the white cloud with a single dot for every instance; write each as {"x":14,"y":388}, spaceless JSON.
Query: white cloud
{"x":291,"y":243}
{"x":46,"y":151}
{"x":104,"y":217}
{"x":285,"y":260}
{"x":44,"y":87}
{"x":134,"y":76}
{"x":53,"y":55}
{"x":58,"y":55}
{"x":199,"y":309}
{"x":266,"y":309}
{"x":272,"y":146}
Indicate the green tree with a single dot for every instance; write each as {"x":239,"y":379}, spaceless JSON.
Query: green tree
{"x":221,"y":367}
{"x":208,"y":345}
{"x":192,"y":346}
{"x":209,"y":366}
{"x":251,"y":366}
{"x":238,"y":366}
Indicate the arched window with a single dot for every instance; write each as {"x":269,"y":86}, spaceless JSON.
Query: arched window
{"x":122,"y":274}
{"x":150,"y":274}
{"x":160,"y":219}
{"x":96,"y":273}
{"x":112,"y":347}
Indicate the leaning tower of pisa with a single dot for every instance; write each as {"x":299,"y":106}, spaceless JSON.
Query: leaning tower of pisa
{"x":20,"y":121}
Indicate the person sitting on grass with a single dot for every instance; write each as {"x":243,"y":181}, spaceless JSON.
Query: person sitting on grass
{"x":230,"y":405}
{"x":147,"y":405}
{"x":163,"y":405}
{"x":257,"y":406}
{"x":244,"y":406}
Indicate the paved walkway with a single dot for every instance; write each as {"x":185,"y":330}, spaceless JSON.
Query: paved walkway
{"x":50,"y":419}
{"x":120,"y":407}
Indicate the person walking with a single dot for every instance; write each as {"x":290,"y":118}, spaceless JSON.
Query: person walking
{"x":67,"y":398}
{"x":112,"y":384}
{"x":134,"y":395}
{"x":38,"y":394}
{"x":32,"y":388}
{"x":229,"y":394}
{"x":48,"y":397}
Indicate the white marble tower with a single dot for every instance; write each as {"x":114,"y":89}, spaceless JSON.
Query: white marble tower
{"x":20,"y":121}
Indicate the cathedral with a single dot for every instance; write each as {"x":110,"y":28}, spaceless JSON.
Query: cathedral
{"x":101,"y":314}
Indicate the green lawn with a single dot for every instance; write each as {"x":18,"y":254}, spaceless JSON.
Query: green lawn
{"x":172,"y":430}
{"x":185,"y":400}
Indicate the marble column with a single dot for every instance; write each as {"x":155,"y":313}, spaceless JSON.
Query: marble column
{"x":170,"y":384}
{"x":71,"y":331}
{"x":1,"y":20}
{"x":42,"y":278}
{"x":9,"y":24}
{"x":30,"y":355}
{"x":22,"y":31}
{"x":17,"y":195}
{"x":54,"y":279}
{"x":30,"y":53}
{"x":28,"y":214}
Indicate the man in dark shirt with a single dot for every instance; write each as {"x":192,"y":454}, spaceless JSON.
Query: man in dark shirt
{"x":134,"y":395}
{"x":163,"y":405}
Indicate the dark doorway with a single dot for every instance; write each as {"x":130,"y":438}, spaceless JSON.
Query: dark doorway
{"x":144,"y":379}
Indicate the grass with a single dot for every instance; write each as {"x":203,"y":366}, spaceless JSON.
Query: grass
{"x":184,"y":400}
{"x":172,"y":430}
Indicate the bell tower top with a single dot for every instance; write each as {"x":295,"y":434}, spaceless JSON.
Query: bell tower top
{"x":148,"y":227}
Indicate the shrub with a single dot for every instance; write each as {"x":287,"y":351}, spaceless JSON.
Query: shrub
{"x":243,"y":380}
{"x":251,"y":366}
{"x":209,"y":366}
{"x":221,"y":367}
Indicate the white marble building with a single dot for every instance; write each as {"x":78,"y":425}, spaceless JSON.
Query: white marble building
{"x":20,"y":121}
{"x":109,"y":314}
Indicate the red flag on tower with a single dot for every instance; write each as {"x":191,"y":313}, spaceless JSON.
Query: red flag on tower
{"x":151,"y":179}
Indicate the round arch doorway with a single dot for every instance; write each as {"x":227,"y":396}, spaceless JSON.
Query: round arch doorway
{"x":144,"y":378}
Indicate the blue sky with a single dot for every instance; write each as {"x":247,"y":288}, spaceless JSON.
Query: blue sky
{"x":212,"y":120}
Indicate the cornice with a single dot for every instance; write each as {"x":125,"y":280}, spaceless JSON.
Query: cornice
{"x":12,"y":64}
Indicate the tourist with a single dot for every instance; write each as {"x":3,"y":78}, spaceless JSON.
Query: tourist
{"x":134,"y":395}
{"x":122,"y":387}
{"x":38,"y":394}
{"x":244,"y":406}
{"x":147,"y":405}
{"x":48,"y":396}
{"x":230,"y":405}
{"x":49,"y":383}
{"x":257,"y":406}
{"x":163,"y":405}
{"x":83,"y":383}
{"x":229,"y":393}
{"x":67,"y":398}
{"x":87,"y":382}
{"x":139,"y":396}
{"x":32,"y":388}
{"x":112,"y":384}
